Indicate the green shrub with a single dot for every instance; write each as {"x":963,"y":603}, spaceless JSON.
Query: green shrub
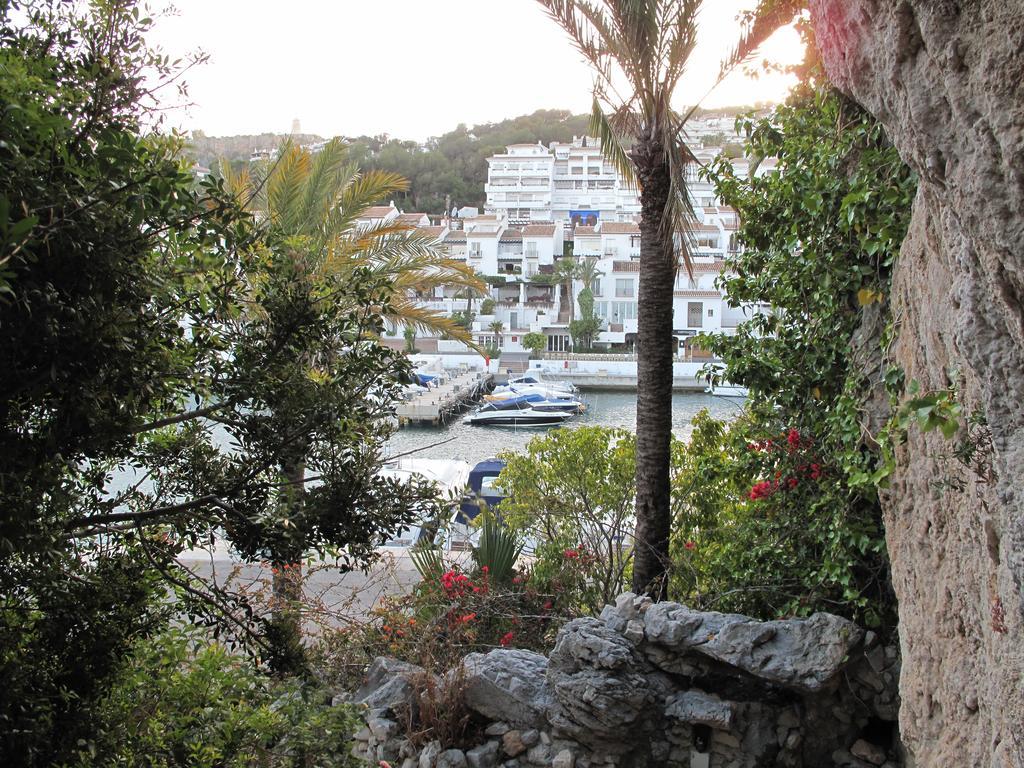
{"x":203,"y":707}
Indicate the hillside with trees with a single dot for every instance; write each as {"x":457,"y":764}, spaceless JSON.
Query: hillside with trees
{"x":454,"y":163}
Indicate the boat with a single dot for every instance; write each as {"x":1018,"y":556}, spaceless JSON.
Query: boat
{"x":727,"y":390}
{"x":519,"y":413}
{"x":535,"y":389}
{"x":537,"y":401}
{"x":535,"y":378}
{"x":480,"y":488}
{"x":451,"y":477}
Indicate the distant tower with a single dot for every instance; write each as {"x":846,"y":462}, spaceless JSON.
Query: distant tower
{"x":296,"y":127}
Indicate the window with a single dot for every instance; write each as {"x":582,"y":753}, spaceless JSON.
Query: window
{"x":695,"y":314}
{"x":624,"y":288}
{"x":577,"y":170}
{"x":531,"y":250}
{"x":595,"y":286}
{"x":711,"y":313}
{"x":475,"y":250}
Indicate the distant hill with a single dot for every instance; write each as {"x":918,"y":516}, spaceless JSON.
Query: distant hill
{"x":452,"y":164}
{"x":206,"y":150}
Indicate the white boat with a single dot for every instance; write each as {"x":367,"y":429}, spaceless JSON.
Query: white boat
{"x":535,"y":378}
{"x":451,"y":476}
{"x":727,"y":390}
{"x":538,"y":400}
{"x":519,"y":413}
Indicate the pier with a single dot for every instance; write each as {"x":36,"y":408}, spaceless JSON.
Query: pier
{"x":440,"y":403}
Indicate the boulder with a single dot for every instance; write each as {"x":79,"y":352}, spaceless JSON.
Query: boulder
{"x":800,"y":654}
{"x":389,"y":685}
{"x":484,"y":756}
{"x":699,"y":708}
{"x":508,"y":686}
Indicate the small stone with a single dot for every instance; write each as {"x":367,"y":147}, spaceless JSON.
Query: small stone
{"x":363,"y":734}
{"x":870,"y":638}
{"x":634,"y":631}
{"x":793,"y":740}
{"x":868,"y":752}
{"x":539,"y":755}
{"x":726,"y":739}
{"x":876,"y":658}
{"x":545,"y":738}
{"x":512,"y":743}
{"x":564,"y":759}
{"x":429,"y":755}
{"x":497,"y":729}
{"x":382,"y":728}
{"x":531,"y":737}
{"x":451,"y":758}
{"x":484,"y":756}
{"x":410,"y":762}
{"x":971,"y":702}
{"x":789,"y":718}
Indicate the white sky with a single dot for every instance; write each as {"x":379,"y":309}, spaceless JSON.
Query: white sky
{"x":410,"y":68}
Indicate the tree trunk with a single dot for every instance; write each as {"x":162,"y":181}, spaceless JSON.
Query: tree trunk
{"x":945,"y":79}
{"x":288,"y":655}
{"x":654,"y":375}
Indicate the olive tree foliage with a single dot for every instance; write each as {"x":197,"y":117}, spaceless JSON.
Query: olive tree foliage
{"x":165,"y":360}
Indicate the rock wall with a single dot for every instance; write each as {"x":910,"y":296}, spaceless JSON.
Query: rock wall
{"x":946,"y":79}
{"x":651,"y":685}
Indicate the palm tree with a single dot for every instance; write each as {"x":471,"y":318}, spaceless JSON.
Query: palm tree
{"x":565,"y":271}
{"x":497,"y":328}
{"x":647,"y":44}
{"x":310,"y":206}
{"x":587,"y":272}
{"x":320,"y":198}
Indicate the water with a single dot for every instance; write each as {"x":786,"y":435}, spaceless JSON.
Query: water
{"x":608,"y":409}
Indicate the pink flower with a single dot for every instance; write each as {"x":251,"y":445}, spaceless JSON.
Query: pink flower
{"x":571,"y":554}
{"x":760,"y":490}
{"x":690,"y":545}
{"x":793,"y":438}
{"x":506,"y":639}
{"x":792,"y":483}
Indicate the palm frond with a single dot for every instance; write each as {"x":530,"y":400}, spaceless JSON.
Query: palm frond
{"x":611,"y":144}
{"x":758,"y":26}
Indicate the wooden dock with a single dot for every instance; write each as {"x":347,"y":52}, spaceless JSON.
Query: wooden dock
{"x":438,"y":404}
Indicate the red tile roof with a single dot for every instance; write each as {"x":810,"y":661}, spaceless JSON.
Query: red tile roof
{"x":429,"y":231}
{"x":584,"y":231}
{"x":487,"y":235}
{"x":620,"y":228}
{"x":539,"y":230}
{"x":377,"y":212}
{"x":455,"y":236}
{"x":698,"y":294}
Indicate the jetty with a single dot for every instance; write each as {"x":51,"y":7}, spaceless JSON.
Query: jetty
{"x":438,"y":404}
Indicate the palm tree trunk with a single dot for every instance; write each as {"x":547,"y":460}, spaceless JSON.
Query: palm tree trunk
{"x":654,"y":375}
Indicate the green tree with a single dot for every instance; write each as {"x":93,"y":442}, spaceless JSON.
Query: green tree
{"x":572,"y":492}
{"x":646,"y":46}
{"x":535,"y":342}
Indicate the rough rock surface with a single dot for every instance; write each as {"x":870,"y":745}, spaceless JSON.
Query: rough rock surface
{"x":647,"y":685}
{"x":507,"y":687}
{"x":946,"y":79}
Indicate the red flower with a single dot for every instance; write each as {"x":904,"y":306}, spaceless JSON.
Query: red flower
{"x":466,"y":618}
{"x":815,"y":471}
{"x":485,"y":569}
{"x":760,"y":490}
{"x":506,"y":639}
{"x":571,"y":554}
{"x":547,"y":605}
{"x":690,"y":545}
{"x":793,"y":438}
{"x":792,"y":482}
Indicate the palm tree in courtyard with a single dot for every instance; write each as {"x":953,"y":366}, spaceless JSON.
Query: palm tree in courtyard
{"x":319,"y":200}
{"x":497,"y":328}
{"x":646,"y":45}
{"x":587,"y":272}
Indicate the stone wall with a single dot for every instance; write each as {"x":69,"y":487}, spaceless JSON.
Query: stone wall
{"x":946,"y":79}
{"x":653,"y":685}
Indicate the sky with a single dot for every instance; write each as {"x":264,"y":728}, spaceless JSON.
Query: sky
{"x":410,"y":68}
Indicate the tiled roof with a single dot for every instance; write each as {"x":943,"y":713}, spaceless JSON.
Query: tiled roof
{"x":698,"y":267}
{"x":429,"y":231}
{"x":411,"y":218}
{"x":698,"y":294}
{"x":455,"y":236}
{"x":512,"y":235}
{"x":377,"y":212}
{"x":584,"y":231}
{"x":620,"y":228}
{"x":539,"y":230}
{"x":704,"y":228}
{"x":487,"y":235}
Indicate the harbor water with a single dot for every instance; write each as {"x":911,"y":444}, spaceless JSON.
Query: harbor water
{"x":457,"y":440}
